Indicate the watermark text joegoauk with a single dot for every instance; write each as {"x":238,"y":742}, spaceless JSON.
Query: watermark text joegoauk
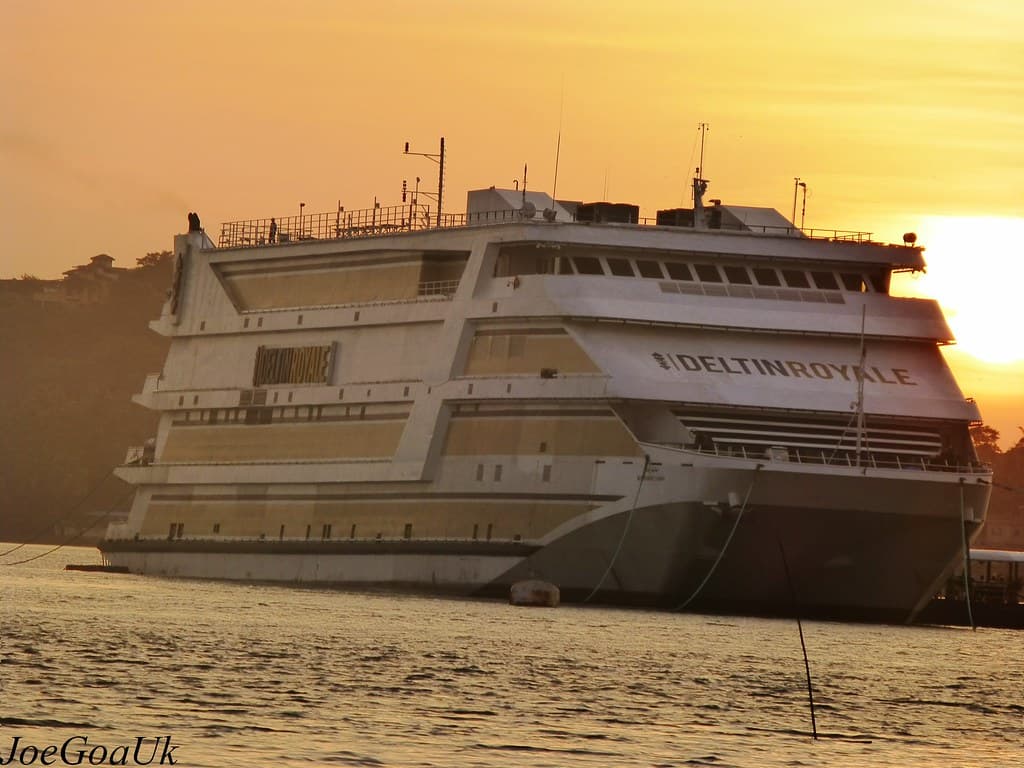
{"x":76,"y":750}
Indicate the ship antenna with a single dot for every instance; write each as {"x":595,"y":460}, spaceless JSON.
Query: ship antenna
{"x":700,"y":184}
{"x":860,"y":387}
{"x":558,"y":143}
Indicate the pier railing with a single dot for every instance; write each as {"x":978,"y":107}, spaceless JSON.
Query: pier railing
{"x":380,"y":220}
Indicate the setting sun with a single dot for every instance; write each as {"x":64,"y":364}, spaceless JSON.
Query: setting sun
{"x":975,"y":271}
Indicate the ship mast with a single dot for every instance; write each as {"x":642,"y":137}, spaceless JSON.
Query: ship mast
{"x":700,"y":184}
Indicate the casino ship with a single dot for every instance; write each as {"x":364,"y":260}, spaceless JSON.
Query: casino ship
{"x":712,"y":410}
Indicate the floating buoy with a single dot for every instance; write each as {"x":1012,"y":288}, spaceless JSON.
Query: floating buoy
{"x":534,"y":592}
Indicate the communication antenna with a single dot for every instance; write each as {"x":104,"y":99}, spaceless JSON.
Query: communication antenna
{"x":700,"y":184}
{"x":558,"y":144}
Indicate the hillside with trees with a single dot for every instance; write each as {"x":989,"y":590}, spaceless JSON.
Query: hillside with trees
{"x":1004,"y":527}
{"x":73,"y":352}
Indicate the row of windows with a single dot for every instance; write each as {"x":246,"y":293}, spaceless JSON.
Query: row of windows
{"x":267,"y":415}
{"x":823,"y":279}
{"x":545,"y":475}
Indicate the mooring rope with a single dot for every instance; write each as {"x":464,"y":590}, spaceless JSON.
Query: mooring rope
{"x":65,"y":518}
{"x":967,"y":558}
{"x":725,"y":546}
{"x":74,"y":538}
{"x":625,"y":529}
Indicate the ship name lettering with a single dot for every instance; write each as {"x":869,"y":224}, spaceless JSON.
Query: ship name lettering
{"x":794,"y":369}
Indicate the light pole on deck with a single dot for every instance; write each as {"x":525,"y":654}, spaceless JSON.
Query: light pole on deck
{"x":301,"y":206}
{"x":438,"y":158}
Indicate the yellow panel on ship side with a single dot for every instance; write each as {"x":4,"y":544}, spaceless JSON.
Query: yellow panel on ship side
{"x":495,"y":353}
{"x":283,"y":442}
{"x":442,"y":519}
{"x":517,"y":435}
{"x":337,"y":286}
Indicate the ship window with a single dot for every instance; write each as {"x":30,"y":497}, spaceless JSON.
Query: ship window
{"x":795,"y":278}
{"x":620,"y":267}
{"x":245,"y":323}
{"x":852,"y":281}
{"x":766,"y":276}
{"x":326,"y":532}
{"x":546,"y":473}
{"x":299,"y":320}
{"x":678,"y":270}
{"x":825,"y":280}
{"x":202,"y":325}
{"x":181,"y":400}
{"x":216,"y":527}
{"x":170,"y":533}
{"x":405,"y":392}
{"x":879,"y":281}
{"x":587,"y":265}
{"x":341,"y":393}
{"x":649,"y":269}
{"x":352,"y":531}
{"x":707,"y":273}
{"x":259,"y":322}
{"x":476,"y":531}
{"x":181,"y":530}
{"x":407,"y":533}
{"x":309,"y":529}
{"x":737,"y":275}
{"x":479,"y":471}
{"x":490,"y":529}
{"x":543,"y":447}
{"x":266,"y":415}
{"x":497,"y":473}
{"x":214,"y":416}
{"x":280,"y":534}
{"x":564,"y":266}
{"x":252,"y":415}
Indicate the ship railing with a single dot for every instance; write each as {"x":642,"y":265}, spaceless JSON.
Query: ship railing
{"x":438,"y":288}
{"x":844,"y":458}
{"x":379,"y":220}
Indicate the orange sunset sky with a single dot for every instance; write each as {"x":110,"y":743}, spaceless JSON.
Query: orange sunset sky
{"x":119,"y":117}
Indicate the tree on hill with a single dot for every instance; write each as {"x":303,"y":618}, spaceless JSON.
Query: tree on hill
{"x":986,"y":441}
{"x":154,"y":259}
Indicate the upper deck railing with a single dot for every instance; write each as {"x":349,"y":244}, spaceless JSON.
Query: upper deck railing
{"x":367,"y":222}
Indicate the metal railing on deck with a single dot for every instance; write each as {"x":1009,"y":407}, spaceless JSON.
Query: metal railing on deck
{"x":340,"y":224}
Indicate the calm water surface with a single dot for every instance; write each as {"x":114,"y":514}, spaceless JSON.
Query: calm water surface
{"x":245,"y":675}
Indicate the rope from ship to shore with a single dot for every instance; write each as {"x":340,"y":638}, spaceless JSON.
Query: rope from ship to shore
{"x":625,"y":529}
{"x":967,"y":558}
{"x":725,"y":546}
{"x":72,"y":539}
{"x":67,"y":518}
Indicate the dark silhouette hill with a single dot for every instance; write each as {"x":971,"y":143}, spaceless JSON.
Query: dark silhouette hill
{"x":72,"y":353}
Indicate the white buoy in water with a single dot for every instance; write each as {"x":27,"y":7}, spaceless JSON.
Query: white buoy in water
{"x":534,"y":592}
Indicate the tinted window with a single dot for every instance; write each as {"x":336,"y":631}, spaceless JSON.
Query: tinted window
{"x":707,"y":273}
{"x":852,"y":281}
{"x":795,"y":278}
{"x":766,"y":276}
{"x":825,"y":280}
{"x":620,"y":267}
{"x":564,"y":267}
{"x":678,"y":271}
{"x":737,"y":275}
{"x":587,"y":265}
{"x":649,"y":269}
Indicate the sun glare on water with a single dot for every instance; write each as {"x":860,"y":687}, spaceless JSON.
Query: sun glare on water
{"x":976,"y":272}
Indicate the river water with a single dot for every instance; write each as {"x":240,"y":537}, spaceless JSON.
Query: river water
{"x":246,"y":675}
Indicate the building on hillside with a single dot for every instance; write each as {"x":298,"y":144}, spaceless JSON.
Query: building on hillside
{"x":85,"y":284}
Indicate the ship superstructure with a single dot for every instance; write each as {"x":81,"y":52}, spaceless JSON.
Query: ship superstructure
{"x":665,"y":412}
